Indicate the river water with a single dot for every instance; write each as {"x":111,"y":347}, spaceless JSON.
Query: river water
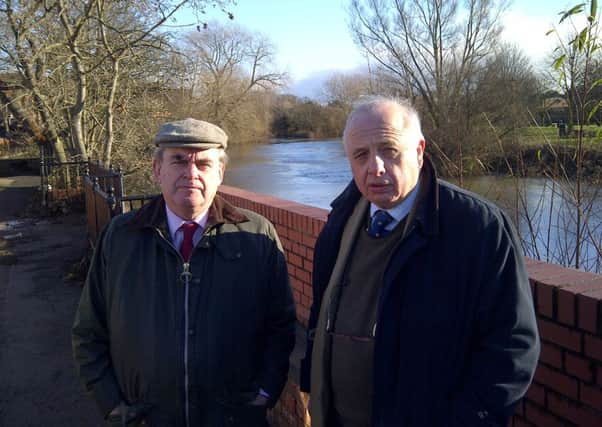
{"x":314,"y":172}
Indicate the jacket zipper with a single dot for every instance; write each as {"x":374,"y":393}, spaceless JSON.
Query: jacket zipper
{"x":186,"y":275}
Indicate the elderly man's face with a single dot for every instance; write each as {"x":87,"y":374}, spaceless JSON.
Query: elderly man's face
{"x":384,"y":163}
{"x":189,"y":179}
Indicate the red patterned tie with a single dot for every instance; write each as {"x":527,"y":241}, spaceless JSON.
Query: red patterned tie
{"x":186,"y":249}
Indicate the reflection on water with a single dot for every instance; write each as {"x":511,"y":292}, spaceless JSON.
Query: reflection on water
{"x":312,"y":173}
{"x":315,"y":172}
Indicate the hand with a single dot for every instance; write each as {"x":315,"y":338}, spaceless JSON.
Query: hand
{"x":116,"y":410}
{"x":260,"y":400}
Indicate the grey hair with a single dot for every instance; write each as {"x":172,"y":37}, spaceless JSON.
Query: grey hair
{"x":158,"y":155}
{"x":371,"y":104}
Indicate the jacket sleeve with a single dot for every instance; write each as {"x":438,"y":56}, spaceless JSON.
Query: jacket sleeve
{"x":90,"y":336}
{"x":506,"y":346}
{"x":280,"y":327}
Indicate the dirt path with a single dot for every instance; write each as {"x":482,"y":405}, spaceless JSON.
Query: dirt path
{"x":38,"y":385}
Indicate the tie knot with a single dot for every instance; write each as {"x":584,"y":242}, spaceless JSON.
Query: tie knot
{"x":188,"y":228}
{"x":379,"y":222}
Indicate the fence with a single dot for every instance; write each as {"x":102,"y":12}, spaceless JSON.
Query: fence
{"x":99,"y":188}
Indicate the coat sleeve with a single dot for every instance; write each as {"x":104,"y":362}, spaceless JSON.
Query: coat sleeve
{"x":506,"y":342}
{"x":90,"y":336}
{"x":280,"y":328}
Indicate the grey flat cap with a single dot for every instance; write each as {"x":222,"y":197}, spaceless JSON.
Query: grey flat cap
{"x":191,"y":133}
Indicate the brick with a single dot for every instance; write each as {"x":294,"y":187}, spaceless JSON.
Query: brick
{"x":573,"y":411}
{"x":537,"y":394}
{"x":307,"y":265}
{"x":519,"y":422}
{"x":306,"y":301}
{"x":296,"y":260}
{"x":593,"y":347}
{"x":308,"y":290}
{"x":592,"y":396}
{"x":296,"y":284}
{"x":540,"y":272}
{"x":551,"y":355}
{"x":558,"y":276}
{"x":310,"y":254}
{"x":599,"y":375}
{"x":590,"y":311}
{"x":566,"y":307}
{"x":560,"y":335}
{"x":294,"y":235}
{"x":579,"y":367}
{"x":557,"y":381}
{"x":545,"y":299}
{"x":541,"y":417}
{"x":309,"y":240}
{"x":303,"y":275}
{"x":282,"y":231}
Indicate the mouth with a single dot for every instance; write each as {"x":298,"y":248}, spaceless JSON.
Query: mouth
{"x":188,"y":187}
{"x":379,"y":187}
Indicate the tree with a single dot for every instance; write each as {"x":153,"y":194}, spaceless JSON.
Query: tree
{"x":433,"y":51}
{"x":344,"y":89}
{"x":80,"y":45}
{"x":228,"y":68}
{"x":576,"y":66}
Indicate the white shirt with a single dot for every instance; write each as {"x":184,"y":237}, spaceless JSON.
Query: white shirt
{"x":400,"y":211}
{"x":174,"y":222}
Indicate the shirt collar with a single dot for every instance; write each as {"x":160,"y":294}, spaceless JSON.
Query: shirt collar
{"x":174,"y":221}
{"x":400,"y":211}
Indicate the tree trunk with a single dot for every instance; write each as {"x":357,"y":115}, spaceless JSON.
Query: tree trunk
{"x":109,"y":134}
{"x":77,"y":111}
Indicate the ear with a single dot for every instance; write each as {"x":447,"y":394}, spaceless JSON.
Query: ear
{"x":156,"y":169}
{"x":420,"y":152}
{"x":222,"y":171}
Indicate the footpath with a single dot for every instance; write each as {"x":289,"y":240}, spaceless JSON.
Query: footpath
{"x":38,"y":383}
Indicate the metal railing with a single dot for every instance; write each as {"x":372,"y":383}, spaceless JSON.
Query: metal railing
{"x":100,"y":188}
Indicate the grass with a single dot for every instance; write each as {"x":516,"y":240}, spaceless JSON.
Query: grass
{"x":536,"y":136}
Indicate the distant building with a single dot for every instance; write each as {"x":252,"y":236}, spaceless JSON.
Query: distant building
{"x":553,"y":111}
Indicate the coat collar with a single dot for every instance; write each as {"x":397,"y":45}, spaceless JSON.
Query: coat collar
{"x":425,"y":211}
{"x":153,"y":214}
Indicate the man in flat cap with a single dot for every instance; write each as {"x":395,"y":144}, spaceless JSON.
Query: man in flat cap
{"x":186,"y":317}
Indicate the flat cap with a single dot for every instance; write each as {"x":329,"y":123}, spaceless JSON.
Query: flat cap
{"x":191,"y":133}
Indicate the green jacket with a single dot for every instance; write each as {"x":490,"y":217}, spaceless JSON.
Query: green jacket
{"x":195,"y":343}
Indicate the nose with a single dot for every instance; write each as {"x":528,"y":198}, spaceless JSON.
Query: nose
{"x":376,"y":165}
{"x":191,"y":169}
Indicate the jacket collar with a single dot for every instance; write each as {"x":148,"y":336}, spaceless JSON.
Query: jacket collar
{"x":153,"y":214}
{"x":425,"y":211}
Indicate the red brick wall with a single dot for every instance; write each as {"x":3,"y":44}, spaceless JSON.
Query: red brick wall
{"x":567,"y":389}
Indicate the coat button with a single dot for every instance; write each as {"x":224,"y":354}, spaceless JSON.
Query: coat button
{"x":190,"y":331}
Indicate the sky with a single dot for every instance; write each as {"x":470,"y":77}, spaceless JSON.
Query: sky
{"x":312,"y":37}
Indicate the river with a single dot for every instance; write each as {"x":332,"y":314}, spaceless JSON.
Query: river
{"x":314,"y":172}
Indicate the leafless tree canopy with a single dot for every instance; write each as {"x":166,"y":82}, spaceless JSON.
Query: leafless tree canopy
{"x":77,"y":73}
{"x":433,"y":52}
